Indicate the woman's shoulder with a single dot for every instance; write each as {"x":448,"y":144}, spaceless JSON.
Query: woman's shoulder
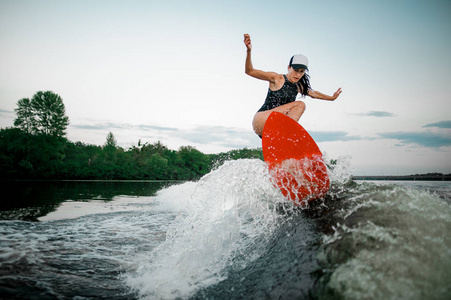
{"x":278,"y":77}
{"x":277,"y":82}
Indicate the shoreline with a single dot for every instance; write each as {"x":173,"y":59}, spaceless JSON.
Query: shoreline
{"x":417,"y":177}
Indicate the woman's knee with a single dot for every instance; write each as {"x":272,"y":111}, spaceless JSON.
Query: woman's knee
{"x":300,"y":105}
{"x":297,"y":108}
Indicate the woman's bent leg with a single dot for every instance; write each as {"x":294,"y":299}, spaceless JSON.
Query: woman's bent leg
{"x":294,"y":110}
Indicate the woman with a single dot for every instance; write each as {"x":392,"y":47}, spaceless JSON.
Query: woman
{"x":283,"y":89}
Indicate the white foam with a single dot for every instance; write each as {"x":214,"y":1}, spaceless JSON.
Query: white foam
{"x":176,"y":198}
{"x":340,"y":172}
{"x":229,"y":212}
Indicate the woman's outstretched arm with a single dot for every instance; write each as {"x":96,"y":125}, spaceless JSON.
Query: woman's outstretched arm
{"x":318,"y":95}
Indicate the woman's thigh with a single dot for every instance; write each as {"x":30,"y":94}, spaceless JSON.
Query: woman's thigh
{"x":260,"y":117}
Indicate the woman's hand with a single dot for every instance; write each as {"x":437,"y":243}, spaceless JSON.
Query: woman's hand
{"x":336,"y":94}
{"x":247,"y":42}
{"x":319,"y":95}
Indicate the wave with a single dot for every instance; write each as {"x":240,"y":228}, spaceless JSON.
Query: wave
{"x":388,"y":242}
{"x":236,"y":236}
{"x":232,"y":235}
{"x":224,"y":220}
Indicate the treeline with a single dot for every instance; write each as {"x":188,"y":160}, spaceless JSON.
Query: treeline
{"x":25,"y":155}
{"x":37,"y":148}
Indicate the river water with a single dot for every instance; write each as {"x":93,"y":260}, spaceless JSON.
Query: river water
{"x":230,"y":235}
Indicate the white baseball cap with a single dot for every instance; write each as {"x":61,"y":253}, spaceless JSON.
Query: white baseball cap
{"x":299,"y":61}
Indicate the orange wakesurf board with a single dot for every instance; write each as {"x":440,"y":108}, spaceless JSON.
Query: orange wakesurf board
{"x":294,"y":160}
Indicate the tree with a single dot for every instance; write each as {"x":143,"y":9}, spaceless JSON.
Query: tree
{"x":195,"y":161}
{"x":45,"y":114}
{"x":50,"y":114}
{"x":110,"y":148}
{"x":159,"y":167}
{"x":25,"y":116}
{"x":110,"y":141}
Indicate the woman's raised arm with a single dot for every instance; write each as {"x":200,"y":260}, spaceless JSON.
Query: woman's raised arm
{"x":249,"y":68}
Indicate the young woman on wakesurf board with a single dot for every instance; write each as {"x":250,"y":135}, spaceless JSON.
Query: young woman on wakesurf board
{"x":283,"y":89}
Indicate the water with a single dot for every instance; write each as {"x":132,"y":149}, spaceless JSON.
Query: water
{"x":231,"y":235}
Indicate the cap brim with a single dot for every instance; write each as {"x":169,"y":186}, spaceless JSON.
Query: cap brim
{"x":299,"y":66}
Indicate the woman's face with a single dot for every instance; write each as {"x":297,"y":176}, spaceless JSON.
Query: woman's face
{"x":294,"y":75}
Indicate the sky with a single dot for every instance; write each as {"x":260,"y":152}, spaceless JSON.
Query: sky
{"x":173,"y":71}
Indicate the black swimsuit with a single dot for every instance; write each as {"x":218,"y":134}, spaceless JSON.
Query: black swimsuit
{"x":286,"y":94}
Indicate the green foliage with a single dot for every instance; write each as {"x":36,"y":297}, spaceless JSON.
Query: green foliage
{"x":25,"y":116}
{"x":36,"y":148}
{"x":44,"y":114}
{"x":218,"y":159}
{"x":42,"y":156}
{"x":110,"y":141}
{"x":13,"y":152}
{"x":32,"y":156}
{"x":193,"y":160}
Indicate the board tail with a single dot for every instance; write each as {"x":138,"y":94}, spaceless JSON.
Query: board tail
{"x":294,"y":160}
{"x":301,"y":180}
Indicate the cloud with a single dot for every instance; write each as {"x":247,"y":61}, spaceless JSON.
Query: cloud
{"x":222,"y":136}
{"x":6,"y":118}
{"x":146,"y":127}
{"x":99,"y":126}
{"x":233,"y":138}
{"x":236,"y":138}
{"x":226,"y":137}
{"x":8,"y":113}
{"x":111,"y":126}
{"x":426,"y":139}
{"x":376,"y":113}
{"x":333,"y":136}
{"x":441,"y":124}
